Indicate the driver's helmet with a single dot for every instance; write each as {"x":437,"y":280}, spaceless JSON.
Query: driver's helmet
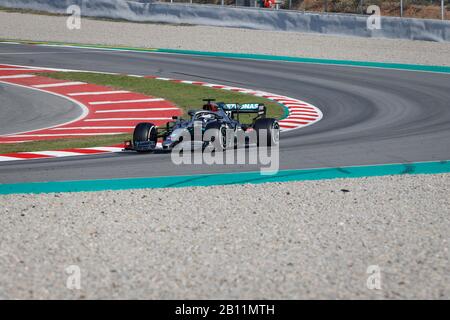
{"x":210,"y":107}
{"x":206,"y":117}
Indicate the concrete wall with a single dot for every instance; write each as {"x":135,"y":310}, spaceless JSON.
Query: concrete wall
{"x":253,"y":18}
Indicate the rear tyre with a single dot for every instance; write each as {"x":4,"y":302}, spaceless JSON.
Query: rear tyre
{"x":145,"y":131}
{"x":272,"y":130}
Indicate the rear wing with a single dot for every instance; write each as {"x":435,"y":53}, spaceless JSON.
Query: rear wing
{"x":235,"y":108}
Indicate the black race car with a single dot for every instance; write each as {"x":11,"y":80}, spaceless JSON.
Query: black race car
{"x":217,"y":124}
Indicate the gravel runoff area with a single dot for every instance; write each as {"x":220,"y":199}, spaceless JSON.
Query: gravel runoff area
{"x":313,"y":239}
{"x":53,"y":28}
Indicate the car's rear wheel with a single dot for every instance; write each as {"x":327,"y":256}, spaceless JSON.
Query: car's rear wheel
{"x":271,"y":131}
{"x":145,"y":131}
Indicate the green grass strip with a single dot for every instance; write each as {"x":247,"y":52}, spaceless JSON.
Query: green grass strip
{"x":185,"y":96}
{"x":204,"y":180}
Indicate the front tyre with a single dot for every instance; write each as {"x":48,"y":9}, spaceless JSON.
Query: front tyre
{"x":144,"y":132}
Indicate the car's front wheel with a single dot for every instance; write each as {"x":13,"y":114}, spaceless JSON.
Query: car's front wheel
{"x":145,"y":131}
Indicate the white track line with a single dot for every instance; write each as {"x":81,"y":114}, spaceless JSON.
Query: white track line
{"x":124,"y":119}
{"x":302,"y":109}
{"x":15,"y":69}
{"x":17,"y":76}
{"x":136,"y":110}
{"x":125,"y":101}
{"x":282,"y":123}
{"x":107,"y":149}
{"x":94,"y":128}
{"x":96,"y":93}
{"x":291,"y":102}
{"x":63,"y":134}
{"x":56,"y":153}
{"x":310,"y":113}
{"x":299,"y":116}
{"x":294,"y":120}
{"x":60,"y":84}
{"x":210,"y":85}
{"x":3,"y":158}
{"x":230,"y":88}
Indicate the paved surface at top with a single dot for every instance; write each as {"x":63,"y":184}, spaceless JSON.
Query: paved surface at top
{"x":51,"y":28}
{"x":22,"y":109}
{"x":371,"y":116}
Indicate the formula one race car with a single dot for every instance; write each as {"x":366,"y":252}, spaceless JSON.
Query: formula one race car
{"x":218,"y":124}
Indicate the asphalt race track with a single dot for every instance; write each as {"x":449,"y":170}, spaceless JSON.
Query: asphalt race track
{"x":23,"y":109}
{"x":371,"y":116}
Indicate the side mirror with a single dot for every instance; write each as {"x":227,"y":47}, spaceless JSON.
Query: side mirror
{"x":174,"y":117}
{"x":191,"y":112}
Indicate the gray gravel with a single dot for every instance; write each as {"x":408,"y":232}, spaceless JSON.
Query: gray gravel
{"x":305,"y":240}
{"x":53,"y":28}
{"x":290,"y":240}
